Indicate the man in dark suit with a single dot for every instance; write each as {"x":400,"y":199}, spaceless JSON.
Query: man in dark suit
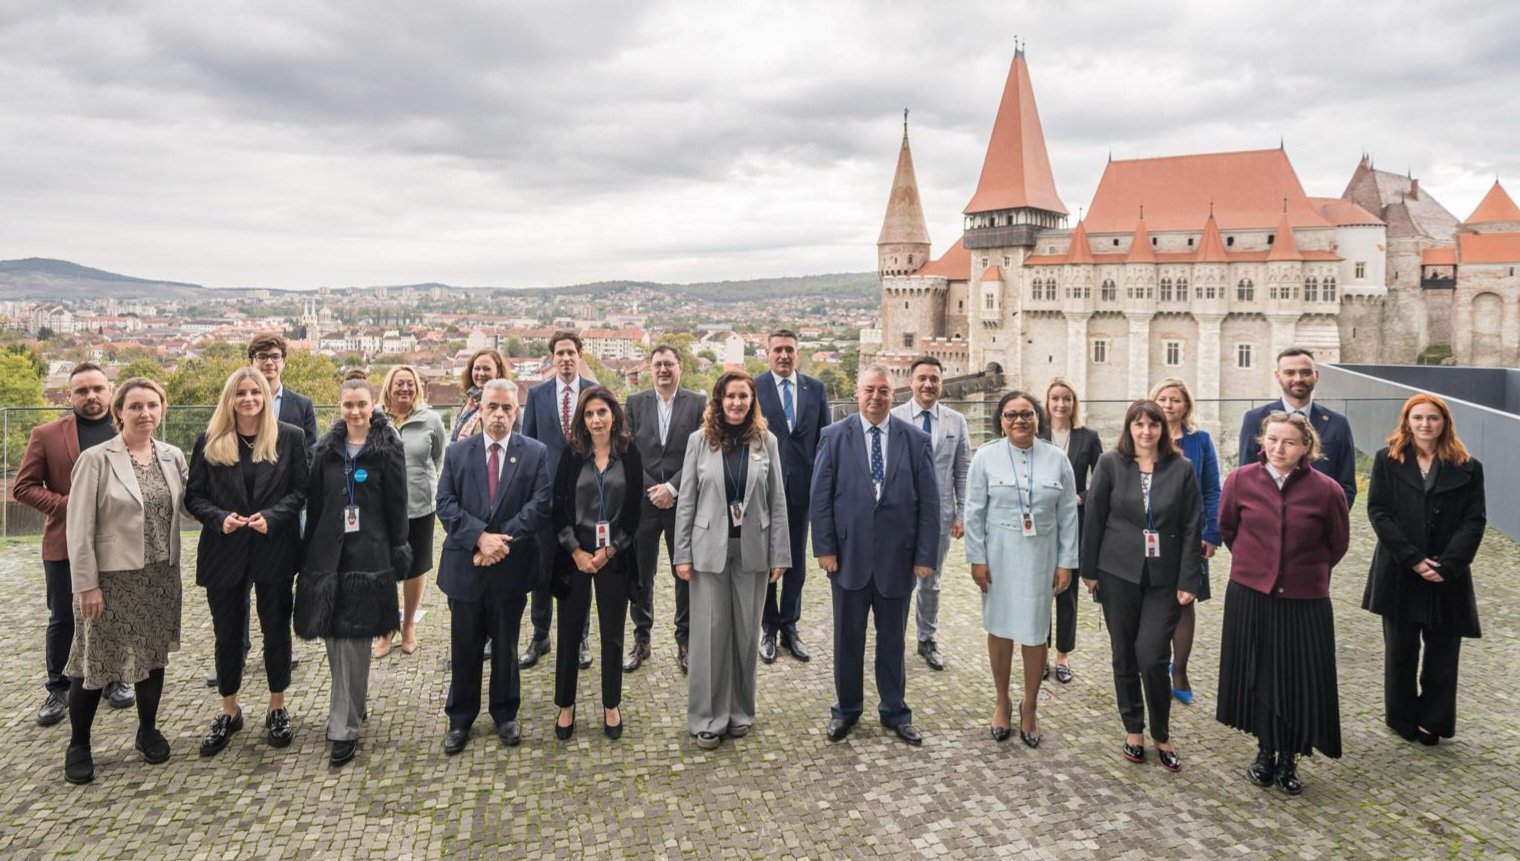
{"x":43,"y":482}
{"x":660,"y":419}
{"x":546,"y":418}
{"x":796,"y":408}
{"x":876,"y":524}
{"x":493,"y":499}
{"x":1297,"y":376}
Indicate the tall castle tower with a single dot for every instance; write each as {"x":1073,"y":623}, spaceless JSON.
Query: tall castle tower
{"x":913,"y":309}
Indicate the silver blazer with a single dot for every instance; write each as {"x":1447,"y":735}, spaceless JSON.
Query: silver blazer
{"x":702,"y":510}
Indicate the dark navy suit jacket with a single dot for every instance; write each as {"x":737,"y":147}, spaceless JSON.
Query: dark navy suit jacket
{"x":296,"y":409}
{"x":1339,"y":460}
{"x":540,"y":419}
{"x":799,"y":446}
{"x":464,"y":506}
{"x":877,"y":541}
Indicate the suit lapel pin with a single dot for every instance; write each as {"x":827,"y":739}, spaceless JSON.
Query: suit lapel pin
{"x":511,"y":460}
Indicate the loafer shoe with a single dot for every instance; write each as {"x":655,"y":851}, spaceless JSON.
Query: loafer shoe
{"x":1132,"y":752}
{"x":536,"y":649}
{"x":929,"y":651}
{"x":53,"y":708}
{"x":709,"y":740}
{"x":1169,"y":760}
{"x":907,"y":733}
{"x":768,"y":648}
{"x":799,"y":649}
{"x":78,"y":765}
{"x":454,"y":740}
{"x":343,"y":752}
{"x":1063,"y":674}
{"x":153,"y":747}
{"x":120,"y":696}
{"x":839,"y":728}
{"x":738,"y":730}
{"x":220,"y":733}
{"x":279,"y":729}
{"x":510,"y":733}
{"x":636,"y":656}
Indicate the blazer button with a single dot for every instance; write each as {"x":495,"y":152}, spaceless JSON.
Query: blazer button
{"x":1279,"y":590}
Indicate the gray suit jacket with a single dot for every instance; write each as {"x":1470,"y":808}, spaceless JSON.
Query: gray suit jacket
{"x":952,"y":460}
{"x":702,"y":510}
{"x":663,"y":464}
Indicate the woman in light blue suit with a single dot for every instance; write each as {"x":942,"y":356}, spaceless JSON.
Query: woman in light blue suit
{"x":1021,"y":541}
{"x":732,"y":539}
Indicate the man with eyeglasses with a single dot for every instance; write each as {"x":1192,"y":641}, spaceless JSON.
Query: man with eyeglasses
{"x":950,"y":438}
{"x":660,"y":419}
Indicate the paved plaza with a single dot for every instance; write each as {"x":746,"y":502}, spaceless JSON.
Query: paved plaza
{"x":784,"y":792}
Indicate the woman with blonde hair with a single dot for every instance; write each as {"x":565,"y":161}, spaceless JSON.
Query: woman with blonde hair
{"x":1063,"y":428}
{"x":1197,"y":446}
{"x":247,"y":486}
{"x":483,"y":366}
{"x":423,"y":440}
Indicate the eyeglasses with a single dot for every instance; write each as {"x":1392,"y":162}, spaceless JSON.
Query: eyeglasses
{"x":1018,"y":415}
{"x":663,"y":365}
{"x":268,"y":357}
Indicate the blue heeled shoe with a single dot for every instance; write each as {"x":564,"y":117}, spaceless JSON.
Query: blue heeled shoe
{"x":1182,"y":695}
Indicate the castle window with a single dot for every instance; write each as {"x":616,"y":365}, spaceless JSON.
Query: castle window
{"x":1173,"y":353}
{"x":905,"y":306}
{"x":1245,"y":291}
{"x":990,"y":300}
{"x":1050,"y":289}
{"x":1361,"y":269}
{"x":1153,"y":242}
{"x":907,"y":340}
{"x":1182,"y":290}
{"x":910,"y":260}
{"x":1166,"y":289}
{"x":1330,"y":288}
{"x":1109,"y":291}
{"x":1229,"y":241}
{"x":984,"y":263}
{"x":1243,"y":356}
{"x":1007,"y":261}
{"x":1311,"y":290}
{"x":960,"y":304}
{"x":1116,"y":243}
{"x":1036,"y":287}
{"x":1190,"y":242}
{"x":1270,"y":239}
{"x":1100,"y":351}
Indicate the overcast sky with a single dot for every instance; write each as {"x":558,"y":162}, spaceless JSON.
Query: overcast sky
{"x":298,"y":144}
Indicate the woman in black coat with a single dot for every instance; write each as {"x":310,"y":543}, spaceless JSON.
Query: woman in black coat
{"x":356,"y":550}
{"x":247,"y":484}
{"x":1426,"y":505}
{"x":597,"y":491}
{"x":1063,"y":428}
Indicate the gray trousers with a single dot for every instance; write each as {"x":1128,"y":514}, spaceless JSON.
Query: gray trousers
{"x":725,"y":622}
{"x":926,"y":611}
{"x":348,"y":663}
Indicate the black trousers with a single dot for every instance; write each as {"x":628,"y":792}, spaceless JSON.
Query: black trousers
{"x":783,"y":600}
{"x":229,"y":616}
{"x":543,"y":601}
{"x":654,"y":523}
{"x":60,"y":626}
{"x":1420,"y":690}
{"x":851,"y":609}
{"x":497,"y":617}
{"x":1141,"y":620}
{"x":574,"y":615}
{"x":1066,"y":615}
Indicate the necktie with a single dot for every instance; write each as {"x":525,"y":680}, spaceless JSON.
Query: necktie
{"x":493,"y":470}
{"x":928,"y":429}
{"x":878,"y":468}
{"x":564,"y":413}
{"x":787,"y":405}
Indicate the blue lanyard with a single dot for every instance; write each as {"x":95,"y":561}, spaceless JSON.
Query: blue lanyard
{"x":348,"y":475}
{"x":1020,"y":493}
{"x":601,"y":490}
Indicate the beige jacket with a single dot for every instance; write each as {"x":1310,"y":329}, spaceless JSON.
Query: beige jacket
{"x":105,"y":519}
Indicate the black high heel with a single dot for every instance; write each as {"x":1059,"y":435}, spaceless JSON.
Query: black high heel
{"x":1031,"y":739}
{"x":563,"y":733}
{"x":613,"y":732}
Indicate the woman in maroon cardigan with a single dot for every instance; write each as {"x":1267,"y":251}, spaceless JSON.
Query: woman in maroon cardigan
{"x":1287,"y":526}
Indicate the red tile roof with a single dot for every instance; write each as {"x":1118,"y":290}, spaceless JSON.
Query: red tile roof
{"x":1140,"y":250}
{"x":1016,"y":172}
{"x":1496,"y":206}
{"x":1438,"y":257}
{"x":1488,"y":247}
{"x":1211,"y":248}
{"x":904,"y":223}
{"x":1244,"y":189}
{"x":1080,"y":250}
{"x":1284,"y":246}
{"x":991,"y":273}
{"x":954,"y":264}
{"x":1344,"y":213}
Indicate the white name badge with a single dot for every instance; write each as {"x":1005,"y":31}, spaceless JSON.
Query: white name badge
{"x":736,"y":513}
{"x":351,"y":518}
{"x":1027,"y":521}
{"x":603,"y":533}
{"x":1152,"y":544}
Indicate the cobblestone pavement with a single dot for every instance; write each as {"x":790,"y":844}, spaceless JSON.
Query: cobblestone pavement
{"x":784,"y":792}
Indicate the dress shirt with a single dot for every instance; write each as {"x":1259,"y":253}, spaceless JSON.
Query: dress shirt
{"x":1278,"y":477}
{"x":501,"y":457}
{"x":277,"y":397}
{"x":559,"y":397}
{"x":665,"y":407}
{"x":885,"y":426}
{"x":781,"y":393}
{"x":918,"y":417}
{"x":1307,"y":409}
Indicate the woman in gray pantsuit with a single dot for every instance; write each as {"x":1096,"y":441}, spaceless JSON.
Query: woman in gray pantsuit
{"x":731,"y":540}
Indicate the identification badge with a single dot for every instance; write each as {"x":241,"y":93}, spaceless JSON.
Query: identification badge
{"x":1152,"y":544}
{"x":736,"y":513}
{"x":603,"y":533}
{"x":1028,"y":523}
{"x":351,"y":518}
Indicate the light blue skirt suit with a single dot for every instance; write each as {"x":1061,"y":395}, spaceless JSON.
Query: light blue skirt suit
{"x":1017,"y":605}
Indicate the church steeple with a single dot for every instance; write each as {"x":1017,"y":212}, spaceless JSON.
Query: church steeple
{"x":903,"y":246}
{"x":1016,"y":193}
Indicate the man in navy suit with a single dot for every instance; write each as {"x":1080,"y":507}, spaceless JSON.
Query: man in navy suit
{"x":875,"y":506}
{"x":796,"y":408}
{"x":546,"y":418}
{"x":1297,"y":376}
{"x":493,"y":499}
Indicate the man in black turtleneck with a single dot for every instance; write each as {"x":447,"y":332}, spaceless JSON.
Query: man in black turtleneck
{"x":42,"y":482}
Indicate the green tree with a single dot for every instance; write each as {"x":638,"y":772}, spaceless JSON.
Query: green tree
{"x":606,"y":376}
{"x":834,"y":382}
{"x":141,"y":368}
{"x":32,"y":354}
{"x":517,"y":348}
{"x":19,"y":387}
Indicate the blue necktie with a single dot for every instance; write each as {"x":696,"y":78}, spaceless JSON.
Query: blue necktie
{"x":878,"y":469}
{"x":787,"y":405}
{"x":927,"y":428}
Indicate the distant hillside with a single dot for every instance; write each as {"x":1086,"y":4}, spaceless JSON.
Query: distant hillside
{"x":43,"y":279}
{"x":843,"y":285}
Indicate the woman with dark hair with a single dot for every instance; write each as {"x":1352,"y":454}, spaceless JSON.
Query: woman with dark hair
{"x":356,"y":550}
{"x":595,"y":515}
{"x":1063,"y":428}
{"x":483,"y":366}
{"x":1140,"y":558}
{"x":1021,"y":541}
{"x":1176,"y":402}
{"x":1427,"y":506}
{"x":731,"y":540}
{"x":248,"y":479}
{"x":1286,"y":526}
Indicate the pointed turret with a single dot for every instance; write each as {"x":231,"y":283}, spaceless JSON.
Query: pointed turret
{"x":1140,"y":250}
{"x":1080,"y":250}
{"x":1016,"y":172}
{"x":903,"y":246}
{"x":1496,"y":207}
{"x":1284,"y":246}
{"x":1211,"y":247}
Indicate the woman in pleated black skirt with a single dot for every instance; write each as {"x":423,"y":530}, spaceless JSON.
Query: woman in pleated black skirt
{"x":1287,"y":526}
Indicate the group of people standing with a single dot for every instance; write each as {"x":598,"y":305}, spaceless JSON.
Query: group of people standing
{"x":566,"y":498}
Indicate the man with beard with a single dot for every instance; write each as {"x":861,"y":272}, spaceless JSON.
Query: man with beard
{"x":1297,"y":376}
{"x":42,"y":482}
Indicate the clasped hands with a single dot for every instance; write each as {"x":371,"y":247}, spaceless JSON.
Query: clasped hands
{"x":1430,"y":570}
{"x":590,"y":563}
{"x":830,"y":565}
{"x":491,"y":548}
{"x":233,"y":522}
{"x":981,"y":574}
{"x":1183,"y":598}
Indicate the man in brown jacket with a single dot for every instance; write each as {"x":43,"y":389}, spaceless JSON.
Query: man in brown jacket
{"x":42,"y":482}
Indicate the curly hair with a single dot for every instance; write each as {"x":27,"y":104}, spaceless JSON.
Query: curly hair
{"x":713,"y":431}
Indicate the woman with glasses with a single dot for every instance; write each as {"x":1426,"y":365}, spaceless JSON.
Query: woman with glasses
{"x":1021,"y":541}
{"x":1063,"y":428}
{"x":422,"y":439}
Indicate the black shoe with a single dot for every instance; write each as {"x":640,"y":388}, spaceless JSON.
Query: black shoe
{"x":636,"y":656}
{"x":1001,"y":733}
{"x":584,"y":659}
{"x":53,"y":708}
{"x":1063,"y":674}
{"x":1133,"y":752}
{"x":794,"y":644}
{"x":536,"y":649}
{"x":563,"y":733}
{"x":279,"y":729}
{"x":612,"y":731}
{"x":120,"y":696}
{"x":681,"y":657}
{"x":839,"y":728}
{"x":1429,"y":739}
{"x":1287,"y":775}
{"x":907,"y":733}
{"x":454,"y":740}
{"x":1169,"y":760}
{"x":1262,"y":769}
{"x":220,"y":733}
{"x":510,"y":733}
{"x":153,"y":747}
{"x":343,"y":752}
{"x":768,"y":647}
{"x":929,"y":651}
{"x":1031,"y":739}
{"x":78,"y":765}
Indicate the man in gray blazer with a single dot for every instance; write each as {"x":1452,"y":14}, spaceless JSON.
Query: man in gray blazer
{"x":952,"y":459}
{"x":660,"y":419}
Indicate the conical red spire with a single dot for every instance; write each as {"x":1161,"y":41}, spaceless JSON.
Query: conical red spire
{"x":1497,"y":205}
{"x":904,"y":223}
{"x":1016,"y":172}
{"x":1080,"y":250}
{"x":1284,"y":247}
{"x":1211,"y":249}
{"x":1140,"y":250}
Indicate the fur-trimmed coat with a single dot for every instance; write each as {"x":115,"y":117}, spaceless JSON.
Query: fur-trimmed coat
{"x":347,"y":585}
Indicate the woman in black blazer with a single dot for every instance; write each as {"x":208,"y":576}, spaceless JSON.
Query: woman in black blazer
{"x":596,"y":515}
{"x":1063,"y":428}
{"x":1427,"y":507}
{"x":1140,"y":556}
{"x":247,"y":485}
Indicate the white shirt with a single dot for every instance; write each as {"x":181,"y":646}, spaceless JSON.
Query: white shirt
{"x":276,"y":397}
{"x":560,"y":386}
{"x":665,"y":406}
{"x":866,"y":427}
{"x":1305,"y":409}
{"x":918,"y":417}
{"x":781,"y":395}
{"x":1276,"y":476}
{"x":501,"y":456}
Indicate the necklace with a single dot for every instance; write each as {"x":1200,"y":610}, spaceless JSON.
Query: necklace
{"x":246,"y":441}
